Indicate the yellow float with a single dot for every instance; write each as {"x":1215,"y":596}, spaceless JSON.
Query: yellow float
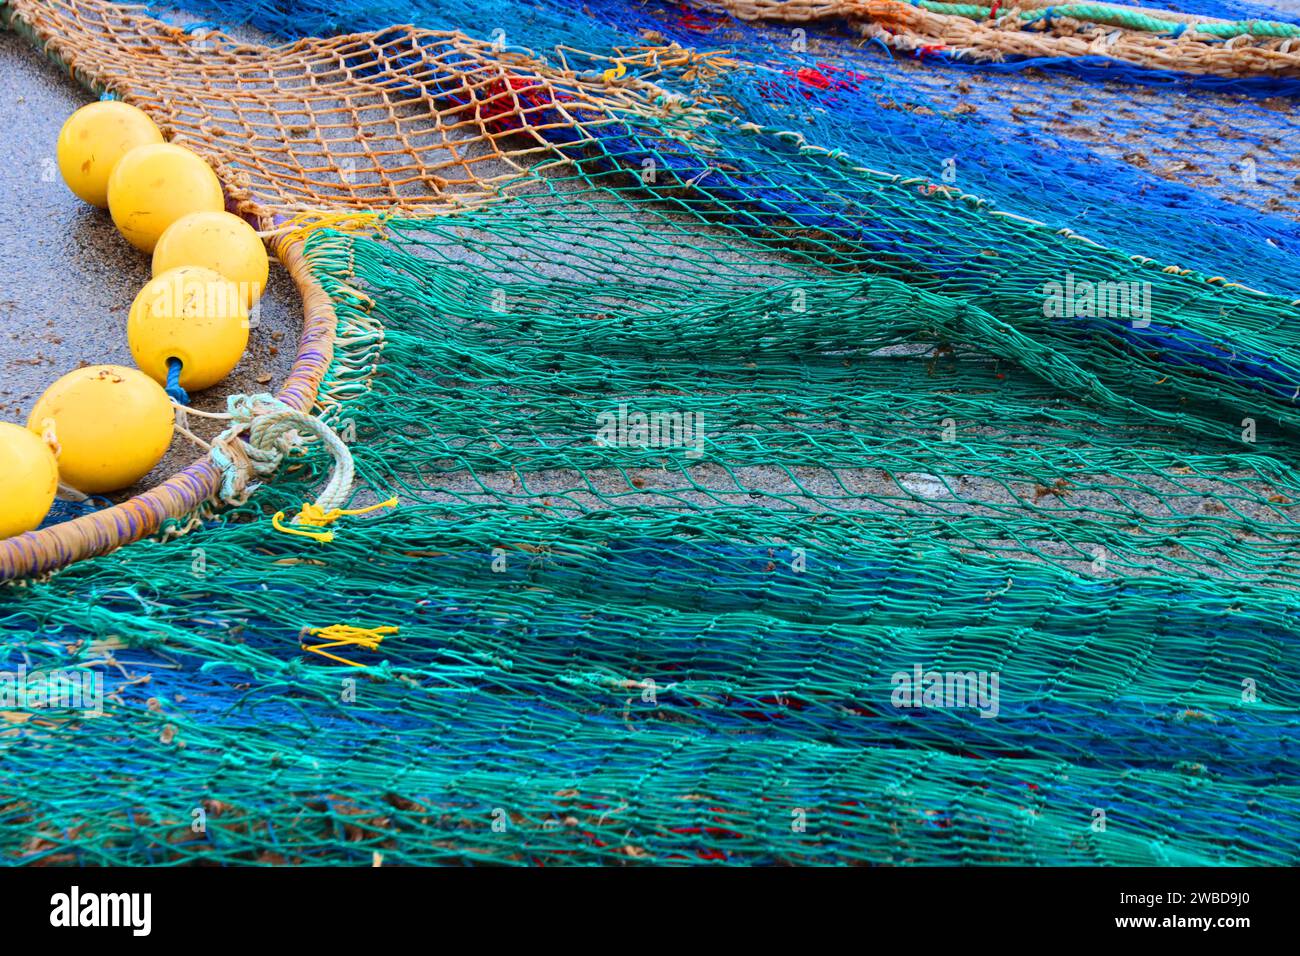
{"x":29,"y":479}
{"x":92,"y":142}
{"x":191,"y":315}
{"x":218,"y":241}
{"x":153,"y":186}
{"x":109,"y":424}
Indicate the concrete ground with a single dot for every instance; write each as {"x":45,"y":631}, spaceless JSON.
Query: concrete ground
{"x":70,"y":278}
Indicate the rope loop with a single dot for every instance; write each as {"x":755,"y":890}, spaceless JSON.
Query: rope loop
{"x":275,"y":430}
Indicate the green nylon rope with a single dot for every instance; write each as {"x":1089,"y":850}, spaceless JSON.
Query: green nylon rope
{"x":1129,"y":19}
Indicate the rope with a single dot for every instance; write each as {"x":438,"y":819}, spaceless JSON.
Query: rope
{"x":1255,"y":50}
{"x":274,"y":431}
{"x":315,"y":516}
{"x":345,"y":635}
{"x":1127,"y":18}
{"x":173,"y":388}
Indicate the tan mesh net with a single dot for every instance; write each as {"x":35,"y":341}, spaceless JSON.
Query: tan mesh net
{"x":405,"y":120}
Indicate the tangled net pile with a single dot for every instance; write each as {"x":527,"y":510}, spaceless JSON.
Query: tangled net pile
{"x":571,"y":644}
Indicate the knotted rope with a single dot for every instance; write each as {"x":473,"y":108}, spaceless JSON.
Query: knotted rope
{"x":275,"y":430}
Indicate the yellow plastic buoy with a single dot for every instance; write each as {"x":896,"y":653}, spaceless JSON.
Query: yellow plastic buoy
{"x":153,"y":186}
{"x":111,"y":425}
{"x":191,"y":314}
{"x":218,"y":241}
{"x":29,"y":478}
{"x":94,"y":139}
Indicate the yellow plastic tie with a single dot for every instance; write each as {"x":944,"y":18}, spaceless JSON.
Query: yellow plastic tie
{"x":314,"y":516}
{"x":615,"y":72}
{"x":302,"y":225}
{"x":345,"y":635}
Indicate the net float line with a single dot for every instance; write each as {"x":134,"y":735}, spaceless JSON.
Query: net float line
{"x":1144,"y":39}
{"x":48,"y":549}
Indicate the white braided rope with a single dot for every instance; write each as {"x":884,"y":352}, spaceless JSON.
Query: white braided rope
{"x":274,"y":430}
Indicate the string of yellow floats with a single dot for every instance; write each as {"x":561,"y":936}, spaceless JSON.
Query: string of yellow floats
{"x":103,"y":428}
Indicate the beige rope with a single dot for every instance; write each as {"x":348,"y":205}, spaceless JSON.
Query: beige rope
{"x":908,"y":27}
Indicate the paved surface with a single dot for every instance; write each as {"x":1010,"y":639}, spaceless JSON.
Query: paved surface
{"x":69,"y":279}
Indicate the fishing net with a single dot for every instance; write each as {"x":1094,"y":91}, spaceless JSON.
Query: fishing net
{"x":1128,"y":166}
{"x":404,"y":119}
{"x":703,"y":434}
